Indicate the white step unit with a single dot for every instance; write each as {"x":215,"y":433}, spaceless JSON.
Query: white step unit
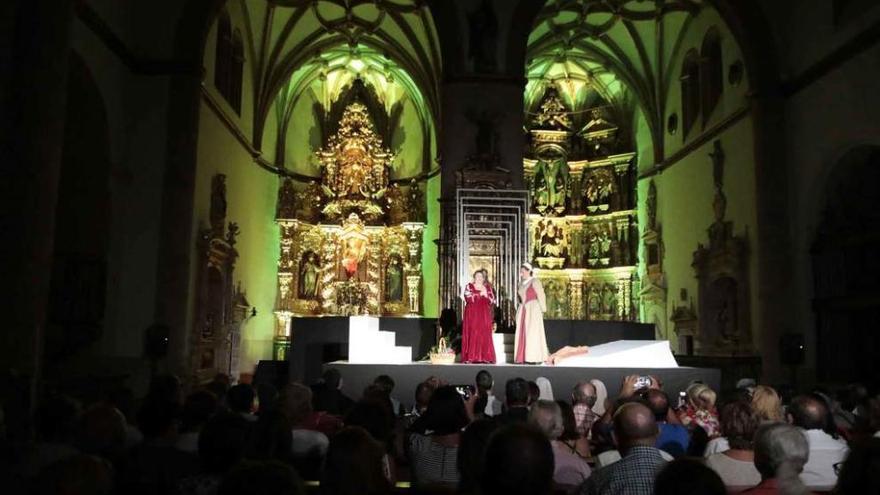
{"x":369,"y":345}
{"x":498,"y":344}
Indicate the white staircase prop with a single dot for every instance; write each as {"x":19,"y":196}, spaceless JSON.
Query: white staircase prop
{"x":369,"y":345}
{"x":625,"y":354}
{"x":503,"y":344}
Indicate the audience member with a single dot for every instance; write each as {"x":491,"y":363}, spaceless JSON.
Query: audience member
{"x":222,"y":445}
{"x":328,"y":396}
{"x":545,"y":388}
{"x":688,"y":477}
{"x":736,"y":464}
{"x":636,"y":432}
{"x":700,"y":410}
{"x":859,"y":473}
{"x":424,"y":390}
{"x":267,"y":397}
{"x":309,"y":445}
{"x":519,"y":461}
{"x":123,"y":400}
{"x":197,"y":410}
{"x":809,"y":413}
{"x":673,"y":438}
{"x":261,"y":478}
{"x":534,"y":392}
{"x":219,"y":385}
{"x":355,"y":465}
{"x":601,"y":397}
{"x":165,"y":388}
{"x":583,"y":398}
{"x":55,"y":421}
{"x":240,"y":400}
{"x":487,"y":404}
{"x":516,"y":392}
{"x":570,"y":469}
{"x":156,"y":466}
{"x":386,"y":384}
{"x":781,"y":451}
{"x":76,"y":475}
{"x":101,"y":431}
{"x":472,"y":455}
{"x":432,"y":445}
{"x":766,"y":404}
{"x":271,"y":437}
{"x":572,"y":439}
{"x":375,"y":418}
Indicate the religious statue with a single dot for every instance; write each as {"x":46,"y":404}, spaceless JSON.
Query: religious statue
{"x":551,"y":174}
{"x":354,"y":244}
{"x":287,"y":200}
{"x":415,"y":202}
{"x":483,"y":33}
{"x":598,"y":187}
{"x":394,"y":280}
{"x":308,"y":276}
{"x":594,"y":303}
{"x":609,"y":301}
{"x":550,"y":237}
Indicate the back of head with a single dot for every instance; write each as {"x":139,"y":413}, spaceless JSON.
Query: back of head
{"x":519,"y":460}
{"x":384,"y":383}
{"x":738,"y":424}
{"x":859,"y":473}
{"x":766,"y":404}
{"x":222,"y":442}
{"x":260,"y":478}
{"x":296,"y":402}
{"x":446,"y":413}
{"x":534,"y":392}
{"x":156,"y":418}
{"x":546,"y":415}
{"x":808,"y":412}
{"x":781,"y":450}
{"x":569,"y":424}
{"x":354,"y":464}
{"x":634,"y":425}
{"x":658,"y":402}
{"x":240,"y":398}
{"x":471,"y":456}
{"x":374,"y":417}
{"x":76,"y":475}
{"x":165,"y":388}
{"x":484,"y":381}
{"x":56,"y":419}
{"x":198,"y":407}
{"x":101,"y":431}
{"x":688,"y":477}
{"x":516,"y":392}
{"x":332,"y":378}
{"x":423,"y":393}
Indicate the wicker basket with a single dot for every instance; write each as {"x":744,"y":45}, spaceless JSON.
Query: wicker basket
{"x":443,"y":354}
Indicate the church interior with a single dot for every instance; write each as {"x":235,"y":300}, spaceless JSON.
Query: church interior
{"x":184,"y":181}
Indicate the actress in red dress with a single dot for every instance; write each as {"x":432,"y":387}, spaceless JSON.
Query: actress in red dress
{"x":476,"y":334}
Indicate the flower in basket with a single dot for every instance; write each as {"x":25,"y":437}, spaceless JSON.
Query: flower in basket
{"x":441,"y":353}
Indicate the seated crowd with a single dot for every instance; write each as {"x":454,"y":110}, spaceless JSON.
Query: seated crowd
{"x":242,"y":439}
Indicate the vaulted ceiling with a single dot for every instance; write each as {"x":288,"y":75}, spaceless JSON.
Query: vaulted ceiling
{"x":391,"y":45}
{"x":614,"y":53}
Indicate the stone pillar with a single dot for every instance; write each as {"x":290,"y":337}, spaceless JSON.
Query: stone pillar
{"x":34,"y":48}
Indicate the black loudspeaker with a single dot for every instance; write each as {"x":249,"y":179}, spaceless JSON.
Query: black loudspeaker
{"x":156,"y":340}
{"x":792,"y":350}
{"x":275,"y":373}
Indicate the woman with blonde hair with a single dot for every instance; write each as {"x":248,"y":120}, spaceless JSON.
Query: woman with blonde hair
{"x":766,"y":404}
{"x":700,"y":410}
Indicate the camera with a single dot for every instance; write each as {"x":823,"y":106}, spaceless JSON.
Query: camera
{"x":643,"y":382}
{"x":465,"y":391}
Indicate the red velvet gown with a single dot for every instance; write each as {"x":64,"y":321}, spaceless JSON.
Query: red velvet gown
{"x":476,"y":333}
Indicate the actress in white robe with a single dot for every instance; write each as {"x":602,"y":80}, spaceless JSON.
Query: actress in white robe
{"x":530,"y":344}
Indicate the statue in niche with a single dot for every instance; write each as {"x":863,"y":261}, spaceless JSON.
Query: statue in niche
{"x":218,"y":205}
{"x":651,"y":206}
{"x":594,"y":302}
{"x":551,"y":172}
{"x":287,"y":200}
{"x":394,"y":280}
{"x":415,"y":202}
{"x":352,"y":254}
{"x":598,"y":188}
{"x":482,"y":39}
{"x":307,"y":202}
{"x":609,"y":301}
{"x":396,"y":204}
{"x":719,"y":204}
{"x":550,"y":239}
{"x":308,"y":276}
{"x":485,"y":156}
{"x":724,"y":292}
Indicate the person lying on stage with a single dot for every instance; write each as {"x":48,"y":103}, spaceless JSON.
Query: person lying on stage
{"x":565,"y":353}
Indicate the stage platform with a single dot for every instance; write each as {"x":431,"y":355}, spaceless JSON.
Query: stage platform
{"x":318,"y":340}
{"x":406,"y":376}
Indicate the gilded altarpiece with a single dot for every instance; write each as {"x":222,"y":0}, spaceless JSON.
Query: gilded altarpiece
{"x":583,"y":223}
{"x":351,"y":244}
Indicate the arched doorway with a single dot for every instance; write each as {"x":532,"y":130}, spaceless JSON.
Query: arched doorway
{"x":846,"y":269}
